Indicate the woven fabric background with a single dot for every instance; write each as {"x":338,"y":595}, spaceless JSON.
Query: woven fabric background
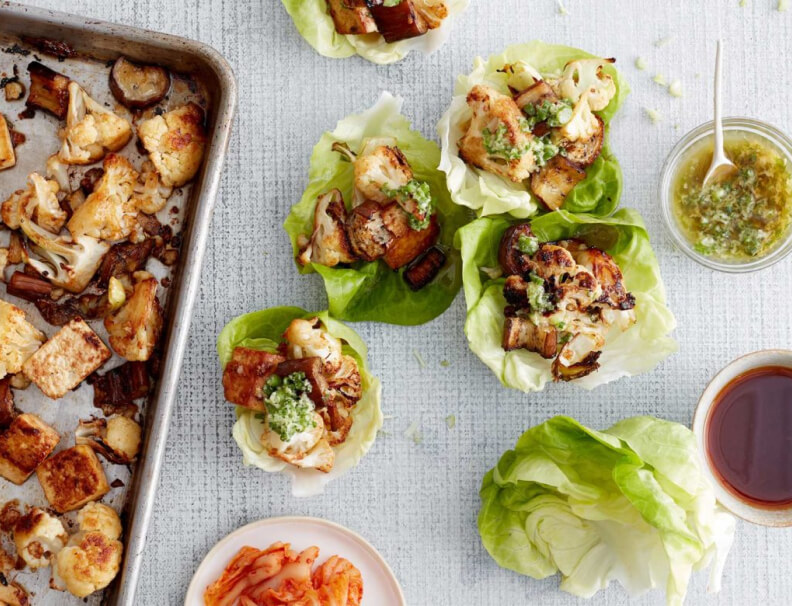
{"x":417,"y":503}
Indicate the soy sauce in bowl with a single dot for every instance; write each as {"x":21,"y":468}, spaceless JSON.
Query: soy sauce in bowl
{"x":749,"y":436}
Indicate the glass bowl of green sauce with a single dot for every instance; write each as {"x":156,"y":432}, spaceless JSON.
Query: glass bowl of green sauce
{"x":744,"y":222}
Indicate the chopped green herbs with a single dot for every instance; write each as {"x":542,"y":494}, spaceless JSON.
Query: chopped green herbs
{"x":416,"y":200}
{"x":527,"y":244}
{"x":419,"y":358}
{"x":445,"y":363}
{"x":289,"y":408}
{"x":744,"y":216}
{"x":555,"y":114}
{"x":391,"y":3}
{"x":451,"y":421}
{"x":499,"y":144}
{"x":538,"y":298}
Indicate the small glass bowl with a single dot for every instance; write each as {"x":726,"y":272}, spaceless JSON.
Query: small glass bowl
{"x":750,"y":126}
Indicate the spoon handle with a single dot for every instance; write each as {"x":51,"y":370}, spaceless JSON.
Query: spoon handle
{"x":719,"y":152}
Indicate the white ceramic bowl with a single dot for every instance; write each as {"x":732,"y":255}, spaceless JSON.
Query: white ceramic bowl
{"x":766,"y":516}
{"x":380,"y":587}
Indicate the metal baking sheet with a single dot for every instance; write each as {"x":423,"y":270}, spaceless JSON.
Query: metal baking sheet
{"x":203,"y":76}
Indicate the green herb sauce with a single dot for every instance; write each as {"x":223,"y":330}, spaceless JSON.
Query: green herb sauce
{"x":746,"y":215}
{"x":419,"y":192}
{"x":289,"y":408}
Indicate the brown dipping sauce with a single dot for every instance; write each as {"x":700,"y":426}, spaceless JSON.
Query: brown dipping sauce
{"x":749,"y":436}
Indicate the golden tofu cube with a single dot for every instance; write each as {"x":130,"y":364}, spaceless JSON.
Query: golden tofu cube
{"x":61,"y":364}
{"x":72,"y":478}
{"x":24,"y":446}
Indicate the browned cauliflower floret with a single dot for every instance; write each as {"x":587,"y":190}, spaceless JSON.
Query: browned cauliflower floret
{"x":151,"y":194}
{"x":108,"y":213}
{"x":38,"y":536}
{"x":97,"y":517}
{"x":19,"y":339}
{"x":135,"y":328}
{"x":329,"y":244}
{"x":175,"y":142}
{"x":68,"y":262}
{"x":38,"y":201}
{"x":87,"y":564}
{"x":379,"y":168}
{"x":496,"y":140}
{"x":91,"y":130}
{"x":307,"y":338}
{"x":117,"y":439}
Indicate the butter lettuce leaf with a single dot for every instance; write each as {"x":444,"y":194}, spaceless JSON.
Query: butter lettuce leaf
{"x":489,"y":194}
{"x":262,"y":330}
{"x":316,"y":25}
{"x":372,"y":291}
{"x":595,"y":507}
{"x":623,"y":235}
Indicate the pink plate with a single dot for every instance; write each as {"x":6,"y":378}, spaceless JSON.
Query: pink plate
{"x":380,"y":587}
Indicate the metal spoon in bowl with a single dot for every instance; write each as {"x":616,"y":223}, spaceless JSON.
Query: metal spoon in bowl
{"x":720,"y":167}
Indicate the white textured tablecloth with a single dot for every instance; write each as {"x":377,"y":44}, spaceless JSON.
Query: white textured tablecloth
{"x":418,"y":503}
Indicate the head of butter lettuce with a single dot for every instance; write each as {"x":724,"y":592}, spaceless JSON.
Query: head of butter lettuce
{"x":316,"y":25}
{"x":372,"y":291}
{"x":262,"y":330}
{"x":629,"y":503}
{"x":624,"y":237}
{"x":489,"y":194}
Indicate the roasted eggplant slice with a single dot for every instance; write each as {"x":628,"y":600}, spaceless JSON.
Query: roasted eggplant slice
{"x":536,"y":95}
{"x":521,"y":333}
{"x":351,"y":17}
{"x":28,"y":287}
{"x":576,"y":371}
{"x":49,"y":90}
{"x":138,"y":86}
{"x":312,"y":367}
{"x":584,"y":152}
{"x":397,"y":22}
{"x":424,"y":269}
{"x":512,"y":260}
{"x":367,"y":233}
{"x":555,"y":180}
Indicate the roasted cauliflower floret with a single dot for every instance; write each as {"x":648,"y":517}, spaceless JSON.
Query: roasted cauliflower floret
{"x":583,"y":124}
{"x":88,"y":563}
{"x":38,"y":536}
{"x":329,"y":244}
{"x":368,"y":235}
{"x":68,"y":262}
{"x":108,"y":213}
{"x":91,"y":129}
{"x":298,"y":446}
{"x":116,"y":439}
{"x":97,"y":517}
{"x":175,"y":142}
{"x":379,"y":168}
{"x":38,"y":201}
{"x":135,"y":328}
{"x":59,"y":171}
{"x":496,"y":140}
{"x":585,"y":76}
{"x":150,"y":194}
{"x":307,"y":338}
{"x":7,"y":154}
{"x":19,"y":339}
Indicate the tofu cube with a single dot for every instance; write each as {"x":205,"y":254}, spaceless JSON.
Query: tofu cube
{"x":61,"y":364}
{"x":72,"y":478}
{"x":245,"y":375}
{"x":26,"y":443}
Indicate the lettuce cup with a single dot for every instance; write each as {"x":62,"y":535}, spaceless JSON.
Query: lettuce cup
{"x":527,"y":131}
{"x":564,"y":297}
{"x":306,"y":404}
{"x":376,"y":221}
{"x":383,"y":33}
